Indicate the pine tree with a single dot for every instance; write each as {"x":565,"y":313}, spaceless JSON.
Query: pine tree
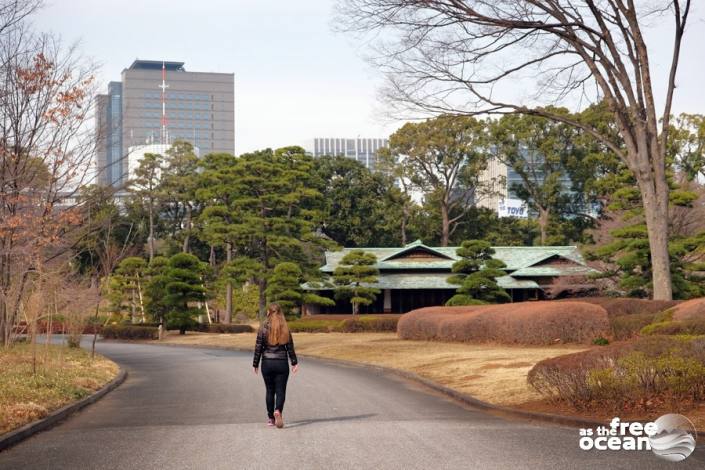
{"x":176,"y":289}
{"x":355,"y":272}
{"x":476,"y":275}
{"x":178,"y":187}
{"x":284,"y":286}
{"x":263,"y":205}
{"x":146,"y":188}
{"x":132,"y":271}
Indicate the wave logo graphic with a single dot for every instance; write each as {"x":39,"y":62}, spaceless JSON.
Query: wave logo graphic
{"x":674,"y":439}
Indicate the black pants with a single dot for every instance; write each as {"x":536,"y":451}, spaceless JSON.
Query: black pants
{"x":275,"y":373}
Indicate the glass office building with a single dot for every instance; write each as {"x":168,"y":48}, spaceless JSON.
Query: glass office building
{"x":200,"y":108}
{"x":364,"y":150}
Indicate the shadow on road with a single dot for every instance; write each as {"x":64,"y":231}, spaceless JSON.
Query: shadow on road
{"x":326,"y":420}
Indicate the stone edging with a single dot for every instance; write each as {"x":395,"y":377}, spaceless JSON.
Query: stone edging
{"x":11,"y":438}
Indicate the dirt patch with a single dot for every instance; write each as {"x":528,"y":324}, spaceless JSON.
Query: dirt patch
{"x":511,"y":365}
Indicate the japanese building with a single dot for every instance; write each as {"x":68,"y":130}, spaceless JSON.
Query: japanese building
{"x":416,"y":275}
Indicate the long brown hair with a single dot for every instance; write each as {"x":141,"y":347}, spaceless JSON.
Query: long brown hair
{"x":278,"y":331}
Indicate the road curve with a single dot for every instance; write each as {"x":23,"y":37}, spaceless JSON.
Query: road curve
{"x":185,"y":408}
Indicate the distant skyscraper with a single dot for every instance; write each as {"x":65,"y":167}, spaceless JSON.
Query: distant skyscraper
{"x":198,"y":107}
{"x":362,"y":150}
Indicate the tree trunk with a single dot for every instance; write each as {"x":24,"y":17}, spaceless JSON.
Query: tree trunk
{"x":228,"y":288}
{"x":211,"y":257}
{"x":655,"y":201}
{"x":262,"y":285}
{"x":445,"y":225}
{"x":544,"y":215}
{"x":150,"y":240}
{"x":132,"y":306}
{"x":141,"y":299}
{"x":185,"y":247}
{"x":404,"y":216}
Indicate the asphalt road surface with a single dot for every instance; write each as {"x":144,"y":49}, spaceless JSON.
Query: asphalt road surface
{"x":184,"y":408}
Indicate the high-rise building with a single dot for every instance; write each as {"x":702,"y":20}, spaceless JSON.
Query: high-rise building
{"x":364,"y":150}
{"x":158,"y":102}
{"x":503,"y":179}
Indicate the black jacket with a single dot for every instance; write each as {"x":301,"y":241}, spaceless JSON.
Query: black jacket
{"x":277,"y":351}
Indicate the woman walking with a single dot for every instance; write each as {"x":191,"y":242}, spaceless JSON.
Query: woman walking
{"x":274,"y":346}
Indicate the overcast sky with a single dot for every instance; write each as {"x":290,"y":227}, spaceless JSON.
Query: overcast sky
{"x":294,"y":77}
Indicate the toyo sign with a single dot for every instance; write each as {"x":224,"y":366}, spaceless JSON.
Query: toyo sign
{"x":512,"y":208}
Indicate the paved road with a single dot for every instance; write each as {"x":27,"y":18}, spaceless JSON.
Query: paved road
{"x":184,"y":408}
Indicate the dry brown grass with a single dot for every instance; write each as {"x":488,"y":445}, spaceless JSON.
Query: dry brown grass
{"x":493,"y":373}
{"x":63,"y":375}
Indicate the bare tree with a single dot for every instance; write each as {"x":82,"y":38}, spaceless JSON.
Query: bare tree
{"x":479,"y":56}
{"x":46,"y":149}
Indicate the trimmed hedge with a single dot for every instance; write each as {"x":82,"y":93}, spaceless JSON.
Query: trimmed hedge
{"x":130,"y":332}
{"x":628,"y":326}
{"x":224,"y":328}
{"x":629,"y":316}
{"x":345,"y":324}
{"x":695,"y":326}
{"x":647,"y":370}
{"x":690,"y":310}
{"x":619,"y":306}
{"x":369,"y":324}
{"x":537,"y":323}
{"x":314,"y":326}
{"x":346,"y":316}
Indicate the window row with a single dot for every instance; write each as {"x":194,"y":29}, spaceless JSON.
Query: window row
{"x":178,"y":115}
{"x":175,"y":95}
{"x":177,"y":105}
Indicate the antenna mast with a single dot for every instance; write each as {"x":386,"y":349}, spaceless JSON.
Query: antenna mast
{"x":164,"y":86}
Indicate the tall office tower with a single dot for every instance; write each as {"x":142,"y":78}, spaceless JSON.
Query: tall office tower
{"x":158,"y":102}
{"x":362,"y":150}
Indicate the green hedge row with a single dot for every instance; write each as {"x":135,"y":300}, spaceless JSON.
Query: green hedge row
{"x":130,"y":332}
{"x":346,"y":325}
{"x":224,"y":328}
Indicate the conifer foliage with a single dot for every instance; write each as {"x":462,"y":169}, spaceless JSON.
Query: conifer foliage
{"x":476,"y":275}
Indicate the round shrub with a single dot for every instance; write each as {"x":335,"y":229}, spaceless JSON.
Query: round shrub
{"x":649,"y":368}
{"x":620,"y":306}
{"x":519,"y":323}
{"x":690,"y":310}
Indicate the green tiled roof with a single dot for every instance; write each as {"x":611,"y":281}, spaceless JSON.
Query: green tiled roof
{"x":427,"y":281}
{"x":515,"y":257}
{"x":508,"y":282}
{"x":400,"y":272}
{"x":554,"y":271}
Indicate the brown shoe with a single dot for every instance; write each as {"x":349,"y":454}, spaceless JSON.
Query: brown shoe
{"x":278,"y":420}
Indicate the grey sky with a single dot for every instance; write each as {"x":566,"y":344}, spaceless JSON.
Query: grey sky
{"x":294,"y":78}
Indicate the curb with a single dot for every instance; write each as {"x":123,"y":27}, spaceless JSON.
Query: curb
{"x":18,"y":435}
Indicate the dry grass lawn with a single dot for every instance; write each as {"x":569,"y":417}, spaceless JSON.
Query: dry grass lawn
{"x":493,"y":373}
{"x":62,"y":376}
